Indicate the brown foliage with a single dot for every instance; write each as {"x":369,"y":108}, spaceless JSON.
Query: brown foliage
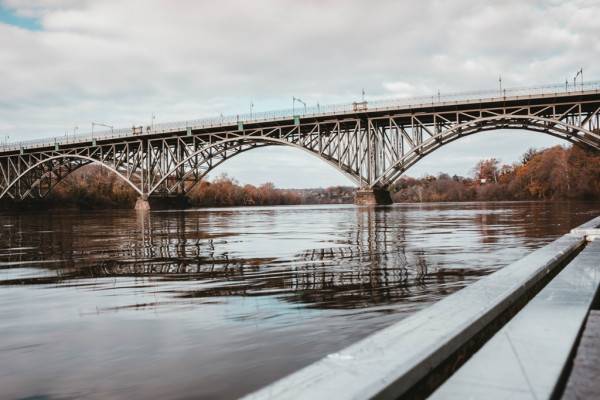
{"x":93,"y":187}
{"x":557,"y":173}
{"x":224,"y":191}
{"x":440,"y":188}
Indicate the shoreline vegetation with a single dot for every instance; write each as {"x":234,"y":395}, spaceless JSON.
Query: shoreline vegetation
{"x":556,"y":173}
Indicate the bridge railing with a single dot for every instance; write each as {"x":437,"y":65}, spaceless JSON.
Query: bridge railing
{"x":319,"y":110}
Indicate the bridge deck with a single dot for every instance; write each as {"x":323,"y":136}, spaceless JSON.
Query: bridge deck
{"x":425,"y":104}
{"x":417,"y":354}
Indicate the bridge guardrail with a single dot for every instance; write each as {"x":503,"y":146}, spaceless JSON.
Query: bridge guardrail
{"x":313,"y":111}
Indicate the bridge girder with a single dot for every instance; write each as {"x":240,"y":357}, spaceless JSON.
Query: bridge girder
{"x":372,"y":148}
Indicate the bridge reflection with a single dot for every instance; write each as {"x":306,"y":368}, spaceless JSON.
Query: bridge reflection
{"x":374,"y":262}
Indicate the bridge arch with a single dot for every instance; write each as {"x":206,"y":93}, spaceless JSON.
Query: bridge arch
{"x":244,"y":144}
{"x":89,"y":160}
{"x":372,"y":152}
{"x":574,"y":134}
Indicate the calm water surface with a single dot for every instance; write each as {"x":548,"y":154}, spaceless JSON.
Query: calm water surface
{"x":216,"y":303}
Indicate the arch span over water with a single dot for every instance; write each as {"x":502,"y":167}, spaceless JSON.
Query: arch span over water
{"x":371,"y":146}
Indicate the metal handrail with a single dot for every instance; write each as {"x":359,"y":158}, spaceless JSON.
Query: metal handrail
{"x":313,"y":111}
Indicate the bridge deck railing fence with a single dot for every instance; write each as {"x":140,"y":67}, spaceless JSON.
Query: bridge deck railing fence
{"x":313,"y":111}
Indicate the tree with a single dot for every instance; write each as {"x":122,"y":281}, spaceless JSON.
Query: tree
{"x":529,"y":154}
{"x":487,"y":170}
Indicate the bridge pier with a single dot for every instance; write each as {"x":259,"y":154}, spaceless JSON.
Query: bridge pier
{"x":142,"y":204}
{"x":372,"y":197}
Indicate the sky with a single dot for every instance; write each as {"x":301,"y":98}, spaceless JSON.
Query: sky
{"x":66,"y":63}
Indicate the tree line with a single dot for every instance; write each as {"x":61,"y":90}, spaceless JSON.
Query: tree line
{"x":556,"y":173}
{"x":225,"y":191}
{"x":94,"y":187}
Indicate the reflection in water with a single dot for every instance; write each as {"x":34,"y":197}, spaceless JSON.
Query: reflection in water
{"x":371,"y":266}
{"x":113,"y":299}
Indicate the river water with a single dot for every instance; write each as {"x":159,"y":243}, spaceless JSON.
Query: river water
{"x":217,"y":303}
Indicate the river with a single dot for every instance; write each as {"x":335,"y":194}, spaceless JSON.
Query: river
{"x":215,"y":303}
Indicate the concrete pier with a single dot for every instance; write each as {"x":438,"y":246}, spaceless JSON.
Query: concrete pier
{"x":142,"y":204}
{"x":372,"y":197}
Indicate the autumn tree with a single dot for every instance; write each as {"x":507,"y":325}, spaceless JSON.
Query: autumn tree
{"x":487,"y":170}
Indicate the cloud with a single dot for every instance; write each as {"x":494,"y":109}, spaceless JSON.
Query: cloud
{"x":119,"y":62}
{"x":40,"y":8}
{"x":401,"y":89}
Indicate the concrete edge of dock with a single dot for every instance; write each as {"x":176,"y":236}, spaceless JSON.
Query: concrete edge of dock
{"x":390,"y":363}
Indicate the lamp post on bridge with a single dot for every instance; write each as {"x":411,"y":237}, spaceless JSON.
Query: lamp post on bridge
{"x":75,"y":129}
{"x":579,"y":74}
{"x":112,"y":128}
{"x":294,"y":100}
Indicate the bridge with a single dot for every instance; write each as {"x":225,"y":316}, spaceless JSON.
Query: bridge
{"x":372,"y":143}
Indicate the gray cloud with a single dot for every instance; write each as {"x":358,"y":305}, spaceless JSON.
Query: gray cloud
{"x":119,"y":62}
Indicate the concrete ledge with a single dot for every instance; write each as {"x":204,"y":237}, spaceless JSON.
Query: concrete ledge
{"x":590,"y":234}
{"x":527,"y":357}
{"x":591,"y":224}
{"x":583,"y":382}
{"x":390,"y":362}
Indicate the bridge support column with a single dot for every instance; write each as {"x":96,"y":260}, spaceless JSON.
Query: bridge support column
{"x":372,"y":197}
{"x":142,"y":204}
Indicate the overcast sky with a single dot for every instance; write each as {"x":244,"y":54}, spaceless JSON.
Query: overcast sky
{"x":65,"y":63}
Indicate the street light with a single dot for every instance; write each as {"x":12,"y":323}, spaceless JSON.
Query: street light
{"x":74,"y":132}
{"x":294,"y":100}
{"x":251,"y":108}
{"x":112,"y":128}
{"x":579,"y":73}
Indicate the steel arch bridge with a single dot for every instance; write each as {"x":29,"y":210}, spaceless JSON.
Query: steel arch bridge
{"x":372,"y":144}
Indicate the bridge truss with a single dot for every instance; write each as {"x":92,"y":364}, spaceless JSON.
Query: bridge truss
{"x":372,"y":146}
